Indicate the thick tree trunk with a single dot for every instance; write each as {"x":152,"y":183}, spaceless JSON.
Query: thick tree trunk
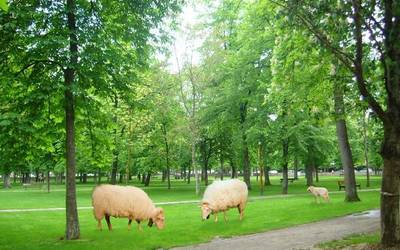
{"x":344,"y":146}
{"x":285,"y":155}
{"x":245,"y":149}
{"x":316,"y":173}
{"x":72,"y":223}
{"x":390,"y":191}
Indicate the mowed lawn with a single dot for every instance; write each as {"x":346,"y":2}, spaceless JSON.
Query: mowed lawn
{"x":44,"y":230}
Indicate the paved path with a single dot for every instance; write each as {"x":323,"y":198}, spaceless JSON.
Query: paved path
{"x":298,"y":237}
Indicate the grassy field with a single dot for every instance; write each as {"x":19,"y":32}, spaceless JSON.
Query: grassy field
{"x":43,"y":230}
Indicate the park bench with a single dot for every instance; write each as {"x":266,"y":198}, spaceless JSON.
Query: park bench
{"x":341,"y":185}
{"x":33,"y":185}
{"x":289,"y":179}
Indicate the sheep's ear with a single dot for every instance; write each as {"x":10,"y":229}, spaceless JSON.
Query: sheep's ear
{"x":150,"y":222}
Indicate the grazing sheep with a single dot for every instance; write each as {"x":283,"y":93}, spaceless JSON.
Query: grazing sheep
{"x":222,"y":195}
{"x":128,"y":202}
{"x":318,"y":192}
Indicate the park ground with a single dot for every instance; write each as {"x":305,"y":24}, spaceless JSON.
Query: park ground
{"x":22,"y":228}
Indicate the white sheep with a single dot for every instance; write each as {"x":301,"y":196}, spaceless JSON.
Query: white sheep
{"x":319,"y":192}
{"x":127,"y":202}
{"x":222,"y":195}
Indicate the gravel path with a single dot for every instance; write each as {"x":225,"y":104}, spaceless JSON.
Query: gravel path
{"x":298,"y":237}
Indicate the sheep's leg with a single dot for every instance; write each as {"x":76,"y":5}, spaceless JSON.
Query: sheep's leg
{"x":99,"y":225}
{"x":108,"y":222}
{"x":215,"y":217}
{"x":139,"y":226}
{"x":240,"y":212}
{"x":129,"y":224}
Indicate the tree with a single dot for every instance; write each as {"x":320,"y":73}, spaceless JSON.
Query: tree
{"x":381,"y":21}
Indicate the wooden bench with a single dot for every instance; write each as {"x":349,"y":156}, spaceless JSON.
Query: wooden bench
{"x":341,"y":185}
{"x":289,"y":179}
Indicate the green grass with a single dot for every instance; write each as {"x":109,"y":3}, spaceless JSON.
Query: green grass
{"x":373,"y":238}
{"x":43,"y":230}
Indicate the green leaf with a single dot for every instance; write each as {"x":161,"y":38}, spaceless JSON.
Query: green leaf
{"x":3,"y":5}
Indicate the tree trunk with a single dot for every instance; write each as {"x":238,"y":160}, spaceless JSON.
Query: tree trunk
{"x":245,"y":149}
{"x":196,"y":174}
{"x":48,"y":180}
{"x":390,"y":215}
{"x":233,"y":167}
{"x":6,"y":181}
{"x":365,"y":135}
{"x":188,"y":174}
{"x":221,"y":162}
{"x":114,"y":169}
{"x":309,"y":174}
{"x":261,"y":166}
{"x":285,"y":154}
{"x":296,"y":167}
{"x":316,"y":173}
{"x":267,"y":181}
{"x":344,"y":146}
{"x":168,"y":173}
{"x":147,"y":181}
{"x":72,"y":223}
{"x":99,"y":176}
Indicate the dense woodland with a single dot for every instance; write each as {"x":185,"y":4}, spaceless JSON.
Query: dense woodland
{"x":306,"y":86}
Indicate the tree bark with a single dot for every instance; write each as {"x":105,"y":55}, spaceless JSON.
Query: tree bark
{"x":221,"y":162}
{"x":266,"y":176}
{"x":245,"y":149}
{"x":261,"y":165}
{"x":233,"y":168}
{"x":309,"y":174}
{"x":296,"y":167}
{"x":365,"y":135}
{"x":168,"y":173}
{"x":147,"y":181}
{"x":344,"y":146}
{"x":72,"y":223}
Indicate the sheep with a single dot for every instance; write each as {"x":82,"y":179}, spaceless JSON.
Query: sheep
{"x":222,"y":195}
{"x":318,"y":192}
{"x":127,"y":202}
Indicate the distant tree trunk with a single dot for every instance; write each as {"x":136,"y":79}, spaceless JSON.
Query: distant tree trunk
{"x":261,"y":165}
{"x":316,"y":173}
{"x":143,"y":178}
{"x":98,"y":176}
{"x":266,"y":176}
{"x":114,"y":169}
{"x":233,"y":167}
{"x":72,"y":223}
{"x":296,"y":167}
{"x":168,"y":173}
{"x":6,"y":181}
{"x":188,"y":174}
{"x":344,"y":146}
{"x":221,"y":162}
{"x":309,"y":173}
{"x":245,"y":149}
{"x":365,"y":135}
{"x":285,"y":155}
{"x":147,"y":181}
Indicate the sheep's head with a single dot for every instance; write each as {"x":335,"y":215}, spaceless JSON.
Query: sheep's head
{"x":310,"y":188}
{"x":205,"y":210}
{"x":158,"y":218}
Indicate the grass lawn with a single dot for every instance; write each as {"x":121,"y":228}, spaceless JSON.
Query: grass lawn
{"x":43,"y":230}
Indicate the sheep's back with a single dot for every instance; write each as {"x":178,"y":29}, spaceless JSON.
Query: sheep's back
{"x":226,"y":194}
{"x":119,"y":201}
